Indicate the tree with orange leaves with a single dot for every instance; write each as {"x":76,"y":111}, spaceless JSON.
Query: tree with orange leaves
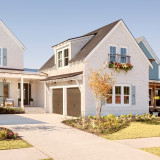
{"x":101,"y":84}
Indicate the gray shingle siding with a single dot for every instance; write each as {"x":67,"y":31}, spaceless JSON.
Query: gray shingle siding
{"x":153,"y":73}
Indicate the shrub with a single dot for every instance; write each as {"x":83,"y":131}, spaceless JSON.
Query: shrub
{"x":9,"y":110}
{"x":8,"y":134}
{"x":107,"y":124}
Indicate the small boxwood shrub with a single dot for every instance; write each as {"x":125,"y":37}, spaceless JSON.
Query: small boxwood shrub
{"x":9,"y":110}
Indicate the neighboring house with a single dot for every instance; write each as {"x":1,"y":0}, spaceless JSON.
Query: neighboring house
{"x":66,"y":87}
{"x":154,"y":73}
{"x":15,"y":81}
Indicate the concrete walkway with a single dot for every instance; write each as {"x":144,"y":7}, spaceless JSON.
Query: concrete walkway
{"x":46,"y":133}
{"x":22,"y":154}
{"x":141,"y":142}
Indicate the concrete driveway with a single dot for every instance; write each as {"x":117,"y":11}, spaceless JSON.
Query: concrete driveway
{"x":47,"y":134}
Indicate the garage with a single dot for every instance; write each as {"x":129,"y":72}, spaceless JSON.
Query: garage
{"x":57,"y":101}
{"x":73,"y":102}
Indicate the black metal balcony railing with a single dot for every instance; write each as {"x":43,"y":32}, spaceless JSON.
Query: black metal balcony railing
{"x":119,"y":58}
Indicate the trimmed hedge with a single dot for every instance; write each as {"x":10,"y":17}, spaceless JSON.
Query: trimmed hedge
{"x":9,"y":110}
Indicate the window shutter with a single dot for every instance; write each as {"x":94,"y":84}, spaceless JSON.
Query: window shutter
{"x":4,"y":56}
{"x":133,"y":91}
{"x":0,"y":57}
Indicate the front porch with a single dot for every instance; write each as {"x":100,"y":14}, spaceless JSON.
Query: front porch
{"x":154,"y":91}
{"x":24,"y":88}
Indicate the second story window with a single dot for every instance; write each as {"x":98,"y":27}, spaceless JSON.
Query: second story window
{"x":60,"y":59}
{"x":112,"y":54}
{"x":3,"y":56}
{"x":63,"y":58}
{"x":66,"y":57}
{"x":123,"y":55}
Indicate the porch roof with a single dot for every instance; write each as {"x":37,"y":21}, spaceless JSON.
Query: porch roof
{"x":68,"y":76}
{"x":16,"y":73}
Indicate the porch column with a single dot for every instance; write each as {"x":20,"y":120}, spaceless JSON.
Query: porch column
{"x":154,"y":94}
{"x":64,"y":101}
{"x":22,"y":105}
{"x":45,"y":105}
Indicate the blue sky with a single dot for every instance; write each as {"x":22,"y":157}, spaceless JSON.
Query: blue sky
{"x":39,"y":24}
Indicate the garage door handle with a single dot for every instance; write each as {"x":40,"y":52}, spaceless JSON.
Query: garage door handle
{"x":74,"y":105}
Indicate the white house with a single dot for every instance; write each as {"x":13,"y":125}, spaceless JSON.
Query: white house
{"x":66,"y":87}
{"x":15,"y":81}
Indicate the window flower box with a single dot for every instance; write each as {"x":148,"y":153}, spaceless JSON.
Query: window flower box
{"x":120,"y":66}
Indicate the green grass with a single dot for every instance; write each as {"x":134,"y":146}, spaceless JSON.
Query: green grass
{"x":13,"y":144}
{"x":153,"y":150}
{"x":137,"y":130}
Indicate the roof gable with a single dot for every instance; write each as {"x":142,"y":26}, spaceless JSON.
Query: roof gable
{"x":99,"y":34}
{"x":11,"y":35}
{"x":148,"y":48}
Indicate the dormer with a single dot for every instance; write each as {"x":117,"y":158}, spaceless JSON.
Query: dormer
{"x":66,"y":50}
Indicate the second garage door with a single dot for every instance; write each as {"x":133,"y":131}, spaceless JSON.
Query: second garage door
{"x":73,"y":102}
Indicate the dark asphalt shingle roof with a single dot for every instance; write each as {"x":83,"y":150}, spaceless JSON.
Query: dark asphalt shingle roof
{"x":99,"y":34}
{"x":49,"y":64}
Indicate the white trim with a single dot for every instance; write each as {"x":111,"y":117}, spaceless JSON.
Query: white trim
{"x":146,"y":44}
{"x":63,"y":57}
{"x":12,"y":35}
{"x":130,"y":36}
{"x":64,"y":97}
{"x":101,"y":42}
{"x":122,"y":96}
{"x":136,"y":44}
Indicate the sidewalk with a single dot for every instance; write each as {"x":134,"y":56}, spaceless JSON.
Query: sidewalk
{"x":141,"y":142}
{"x":22,"y":154}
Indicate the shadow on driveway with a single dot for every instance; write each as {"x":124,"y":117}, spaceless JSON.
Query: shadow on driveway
{"x":11,"y":119}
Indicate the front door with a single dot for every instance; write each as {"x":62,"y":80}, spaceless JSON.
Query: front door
{"x":158,"y":94}
{"x":25,"y":93}
{"x":4,"y":92}
{"x":150,"y":97}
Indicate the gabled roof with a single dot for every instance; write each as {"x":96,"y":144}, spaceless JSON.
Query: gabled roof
{"x":144,"y":41}
{"x":98,"y":35}
{"x":11,"y":35}
{"x":49,"y":64}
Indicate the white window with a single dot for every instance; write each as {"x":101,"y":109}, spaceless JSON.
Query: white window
{"x":123,"y":55}
{"x":119,"y":95}
{"x":60,"y":59}
{"x":63,"y":58}
{"x":112,"y":54}
{"x":3,"y":56}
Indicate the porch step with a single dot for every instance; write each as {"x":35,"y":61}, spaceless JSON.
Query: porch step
{"x":34,"y":110}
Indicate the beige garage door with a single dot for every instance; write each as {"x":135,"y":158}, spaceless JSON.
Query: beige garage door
{"x":73,"y":102}
{"x":57,"y":101}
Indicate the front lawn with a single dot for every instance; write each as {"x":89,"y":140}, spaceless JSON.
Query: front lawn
{"x":153,"y":150}
{"x":136,"y":130}
{"x":123,"y":127}
{"x":13,"y":144}
{"x":11,"y":140}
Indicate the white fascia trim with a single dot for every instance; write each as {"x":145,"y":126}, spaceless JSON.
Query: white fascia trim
{"x":107,"y":36}
{"x":132,"y":38}
{"x":148,"y":48}
{"x":12,"y":35}
{"x":80,"y":38}
{"x":67,"y":86}
{"x":154,"y":81}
